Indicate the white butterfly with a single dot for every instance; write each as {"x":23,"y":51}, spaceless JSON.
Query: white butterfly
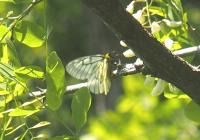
{"x":96,"y":69}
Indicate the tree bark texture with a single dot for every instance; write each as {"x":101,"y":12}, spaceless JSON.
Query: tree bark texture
{"x":155,"y":56}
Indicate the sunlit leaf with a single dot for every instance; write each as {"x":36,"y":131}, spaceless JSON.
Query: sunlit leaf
{"x":4,"y":58}
{"x":80,"y":105}
{"x":170,"y":95}
{"x":56,"y":82}
{"x":18,"y":90}
{"x":30,"y":34}
{"x":7,"y":71}
{"x":4,"y":30}
{"x":4,"y":92}
{"x":7,"y":1}
{"x":30,"y":71}
{"x":33,"y":102}
{"x":22,"y":112}
{"x":40,"y":124}
{"x":157,"y":10}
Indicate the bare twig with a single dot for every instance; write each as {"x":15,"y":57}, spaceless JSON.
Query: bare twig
{"x":187,"y":51}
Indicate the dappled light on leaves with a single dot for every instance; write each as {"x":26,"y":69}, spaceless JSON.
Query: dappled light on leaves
{"x":139,"y":115}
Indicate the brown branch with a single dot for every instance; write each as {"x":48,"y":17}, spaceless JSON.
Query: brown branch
{"x":155,"y":56}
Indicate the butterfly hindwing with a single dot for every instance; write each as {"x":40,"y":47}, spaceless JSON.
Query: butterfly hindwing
{"x":100,"y":82}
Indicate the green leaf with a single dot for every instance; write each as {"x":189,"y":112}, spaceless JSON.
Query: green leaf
{"x":61,"y":138}
{"x":172,"y":24}
{"x":35,"y":102}
{"x":4,"y":92}
{"x":4,"y":30}
{"x":7,"y":1}
{"x":11,"y":53}
{"x":22,"y":112}
{"x":56,"y":82}
{"x":30,"y":71}
{"x":6,"y":71}
{"x":157,"y":10}
{"x":30,"y":34}
{"x":177,"y":4}
{"x":15,"y":129}
{"x":80,"y":105}
{"x":40,"y":124}
{"x":159,"y":88}
{"x":192,"y":111}
{"x":170,"y":95}
{"x":18,"y":90}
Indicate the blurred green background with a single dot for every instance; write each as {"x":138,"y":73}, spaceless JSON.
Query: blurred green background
{"x":128,"y":111}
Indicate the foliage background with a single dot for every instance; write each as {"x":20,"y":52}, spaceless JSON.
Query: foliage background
{"x":129,"y":111}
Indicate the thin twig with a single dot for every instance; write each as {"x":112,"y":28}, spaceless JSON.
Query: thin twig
{"x":187,"y":51}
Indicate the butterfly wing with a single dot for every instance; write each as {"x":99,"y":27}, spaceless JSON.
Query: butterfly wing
{"x":84,"y":67}
{"x":100,"y":82}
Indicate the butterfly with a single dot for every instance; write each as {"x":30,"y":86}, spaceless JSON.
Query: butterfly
{"x":96,"y":69}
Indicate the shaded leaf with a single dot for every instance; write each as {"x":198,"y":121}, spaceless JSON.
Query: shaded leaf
{"x":192,"y":111}
{"x":61,"y":138}
{"x":80,"y":105}
{"x":56,"y":82}
{"x":12,"y":54}
{"x":15,"y":129}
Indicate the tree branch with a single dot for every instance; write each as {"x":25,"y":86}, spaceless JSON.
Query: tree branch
{"x":155,"y":56}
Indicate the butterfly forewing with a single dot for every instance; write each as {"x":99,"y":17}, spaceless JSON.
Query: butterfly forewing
{"x":83,"y":67}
